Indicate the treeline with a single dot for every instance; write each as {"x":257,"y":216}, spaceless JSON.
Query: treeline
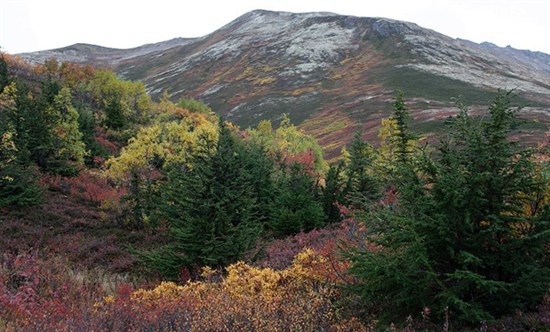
{"x":457,"y":228}
{"x":468,"y":233}
{"x":60,"y":119}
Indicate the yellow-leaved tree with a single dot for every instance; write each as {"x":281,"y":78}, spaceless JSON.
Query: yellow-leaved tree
{"x":288,"y":143}
{"x":153,"y":149}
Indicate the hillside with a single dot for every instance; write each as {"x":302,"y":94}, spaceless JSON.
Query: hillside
{"x":330,"y":73}
{"x":100,"y":56}
{"x":119,"y":212}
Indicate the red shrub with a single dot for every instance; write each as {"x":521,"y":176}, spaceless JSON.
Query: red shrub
{"x":43,"y":295}
{"x":101,"y":138}
{"x":328,"y":242}
{"x":86,"y":186}
{"x":306,"y":159}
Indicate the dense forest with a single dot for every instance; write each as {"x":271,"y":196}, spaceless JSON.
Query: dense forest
{"x":118,"y":212}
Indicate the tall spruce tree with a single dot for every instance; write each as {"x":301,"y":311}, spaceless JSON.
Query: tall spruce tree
{"x":86,"y":125}
{"x":115,"y":113}
{"x":17,"y":183}
{"x":260,"y":170}
{"x":362,"y":185}
{"x":22,"y":121}
{"x":4,"y":75}
{"x":297,"y":206}
{"x":211,"y":208}
{"x":334,"y":192}
{"x":460,"y":242}
{"x":401,"y":116}
{"x":41,"y":123}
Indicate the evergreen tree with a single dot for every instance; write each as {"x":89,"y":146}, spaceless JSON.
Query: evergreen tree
{"x":401,"y":116}
{"x":87,"y":125}
{"x":4,"y":75}
{"x":136,"y":199}
{"x":17,"y":183}
{"x":22,"y":122}
{"x":260,"y":171}
{"x":41,"y":123}
{"x":334,"y":192}
{"x":459,"y":239}
{"x":211,"y":208}
{"x":362,"y":185}
{"x":115,"y":113}
{"x":18,"y":186}
{"x":297,"y":206}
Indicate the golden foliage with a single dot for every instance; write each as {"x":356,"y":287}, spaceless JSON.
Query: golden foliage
{"x":164,"y":143}
{"x":166,"y":291}
{"x":264,"y":80}
{"x":287,"y":140}
{"x":255,"y":299}
{"x":301,"y":91}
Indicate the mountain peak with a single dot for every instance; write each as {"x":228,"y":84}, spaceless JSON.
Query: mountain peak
{"x":264,"y":12}
{"x":386,"y":27}
{"x":331,"y":73}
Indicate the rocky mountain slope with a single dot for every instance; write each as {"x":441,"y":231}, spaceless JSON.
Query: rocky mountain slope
{"x":101,"y":56}
{"x":332,"y":74}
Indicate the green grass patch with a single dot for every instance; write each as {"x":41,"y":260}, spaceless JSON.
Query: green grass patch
{"x":430,"y":86}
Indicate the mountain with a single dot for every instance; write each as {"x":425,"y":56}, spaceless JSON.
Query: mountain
{"x":101,"y":56}
{"x":332,"y":74}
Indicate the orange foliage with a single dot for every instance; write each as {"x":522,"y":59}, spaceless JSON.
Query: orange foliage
{"x":19,"y":67}
{"x":74,"y":74}
{"x":306,"y":159}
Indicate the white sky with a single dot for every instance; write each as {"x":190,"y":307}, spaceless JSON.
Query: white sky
{"x":32,"y":25}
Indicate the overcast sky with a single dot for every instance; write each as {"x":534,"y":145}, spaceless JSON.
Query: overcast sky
{"x":32,"y":25}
